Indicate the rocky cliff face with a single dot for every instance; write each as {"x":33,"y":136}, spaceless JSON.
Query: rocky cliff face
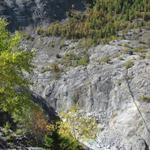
{"x":112,"y":90}
{"x":22,"y":13}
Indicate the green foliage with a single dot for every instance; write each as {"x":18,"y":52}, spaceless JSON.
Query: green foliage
{"x":80,"y":126}
{"x":148,"y":55}
{"x":6,"y":129}
{"x":66,"y":133}
{"x":27,"y":36}
{"x":48,"y":142}
{"x":101,"y":20}
{"x":55,"y":141}
{"x":13,"y":63}
{"x":86,"y":43}
{"x":58,"y":139}
{"x":72,"y":59}
{"x":139,"y":50}
{"x":105,"y":59}
{"x":83,"y":61}
{"x":129,"y":64}
{"x":62,"y":43}
{"x":16,"y":100}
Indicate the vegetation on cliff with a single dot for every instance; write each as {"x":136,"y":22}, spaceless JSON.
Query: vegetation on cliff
{"x":13,"y":62}
{"x":28,"y":120}
{"x":101,"y":21}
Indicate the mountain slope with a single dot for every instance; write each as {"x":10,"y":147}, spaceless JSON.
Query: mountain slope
{"x":112,"y":86}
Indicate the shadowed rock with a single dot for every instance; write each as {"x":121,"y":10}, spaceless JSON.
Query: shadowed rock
{"x":23,"y":13}
{"x":49,"y":111}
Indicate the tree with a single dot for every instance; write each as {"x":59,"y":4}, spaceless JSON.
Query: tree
{"x":77,"y":124}
{"x":13,"y":63}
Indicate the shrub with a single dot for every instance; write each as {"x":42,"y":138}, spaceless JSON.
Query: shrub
{"x":48,"y":142}
{"x":62,"y":43}
{"x":139,"y":50}
{"x":62,"y":136}
{"x":129,"y":64}
{"x":146,"y":98}
{"x":83,"y":60}
{"x":86,"y":43}
{"x":55,"y":68}
{"x":72,"y":59}
{"x":148,"y":55}
{"x":80,"y":126}
{"x":27,"y":36}
{"x":105,"y":59}
{"x":57,"y":141}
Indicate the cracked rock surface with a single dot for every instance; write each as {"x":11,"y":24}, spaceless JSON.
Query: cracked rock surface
{"x":108,"y":91}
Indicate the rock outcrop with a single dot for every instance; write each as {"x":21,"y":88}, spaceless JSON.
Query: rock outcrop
{"x":111,"y":91}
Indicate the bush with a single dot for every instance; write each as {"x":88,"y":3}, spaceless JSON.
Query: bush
{"x":72,"y":59}
{"x":148,"y":55}
{"x":61,"y":138}
{"x":57,"y":141}
{"x":55,"y":68}
{"x":27,"y":36}
{"x":129,"y":64}
{"x":83,"y":61}
{"x":86,"y":43}
{"x":146,"y":98}
{"x":105,"y":59}
{"x":78,"y":125}
{"x":139,"y":50}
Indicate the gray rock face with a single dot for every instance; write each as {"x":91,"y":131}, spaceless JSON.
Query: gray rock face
{"x":107,"y":91}
{"x":22,"y":13}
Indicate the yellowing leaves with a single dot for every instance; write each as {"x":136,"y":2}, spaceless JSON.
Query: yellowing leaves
{"x":78,"y":124}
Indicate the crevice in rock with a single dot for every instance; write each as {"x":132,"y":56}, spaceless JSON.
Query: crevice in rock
{"x":134,"y":101}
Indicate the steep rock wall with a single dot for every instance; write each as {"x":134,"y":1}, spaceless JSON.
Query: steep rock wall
{"x":107,"y":91}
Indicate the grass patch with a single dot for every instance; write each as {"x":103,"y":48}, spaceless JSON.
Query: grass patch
{"x":148,"y":55}
{"x":105,"y":59}
{"x":139,"y":50}
{"x":86,"y":43}
{"x":129,"y":64}
{"x":27,"y":36}
{"x":72,"y":59}
{"x":146,"y":98}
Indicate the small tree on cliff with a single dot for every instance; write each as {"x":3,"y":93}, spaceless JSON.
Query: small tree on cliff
{"x":13,"y":62}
